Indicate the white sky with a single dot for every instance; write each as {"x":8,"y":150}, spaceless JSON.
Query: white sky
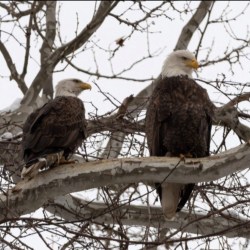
{"x":134,"y":49}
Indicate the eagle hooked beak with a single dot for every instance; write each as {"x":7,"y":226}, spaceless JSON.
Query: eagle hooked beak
{"x":192,"y":64}
{"x":84,"y":86}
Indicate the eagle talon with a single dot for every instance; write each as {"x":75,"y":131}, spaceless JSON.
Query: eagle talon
{"x":182,"y":158}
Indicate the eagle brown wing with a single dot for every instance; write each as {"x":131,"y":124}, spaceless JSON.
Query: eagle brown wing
{"x":59,"y":125}
{"x":178,"y":121}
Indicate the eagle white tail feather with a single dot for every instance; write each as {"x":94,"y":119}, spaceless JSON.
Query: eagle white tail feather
{"x":170,"y":198}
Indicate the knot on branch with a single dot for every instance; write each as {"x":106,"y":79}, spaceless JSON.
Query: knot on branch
{"x":124,"y":107}
{"x":227,"y":116}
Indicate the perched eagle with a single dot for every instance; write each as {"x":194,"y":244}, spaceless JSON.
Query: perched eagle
{"x":54,"y":131}
{"x":178,"y":122}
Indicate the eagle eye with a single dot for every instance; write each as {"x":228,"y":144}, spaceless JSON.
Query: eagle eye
{"x":184,"y":58}
{"x":76,"y":81}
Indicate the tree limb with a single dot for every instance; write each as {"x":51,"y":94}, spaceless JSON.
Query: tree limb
{"x":12,"y":68}
{"x":23,"y":13}
{"x":104,"y":8}
{"x":73,"y":209}
{"x":227,"y":116}
{"x":47,"y":46}
{"x":193,"y":24}
{"x":28,"y":196}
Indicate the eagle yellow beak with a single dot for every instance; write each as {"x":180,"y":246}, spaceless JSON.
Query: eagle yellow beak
{"x":193,"y":64}
{"x":84,"y":86}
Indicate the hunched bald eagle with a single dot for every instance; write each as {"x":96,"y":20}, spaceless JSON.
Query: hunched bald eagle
{"x":178,"y":122}
{"x":56,"y":129}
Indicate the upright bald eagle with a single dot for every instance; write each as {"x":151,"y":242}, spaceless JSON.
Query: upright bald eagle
{"x":59,"y":127}
{"x":178,"y":122}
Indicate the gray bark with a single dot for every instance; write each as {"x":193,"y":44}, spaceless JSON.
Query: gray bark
{"x":228,"y":224}
{"x":27,"y":196}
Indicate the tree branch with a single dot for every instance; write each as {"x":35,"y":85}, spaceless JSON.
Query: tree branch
{"x":75,"y":209}
{"x":28,"y":196}
{"x":46,"y":70}
{"x":12,"y":68}
{"x":47,"y":46}
{"x":227,"y":116}
{"x":193,"y":24}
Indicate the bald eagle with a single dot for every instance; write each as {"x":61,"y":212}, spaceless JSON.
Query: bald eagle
{"x":178,"y":122}
{"x":56,"y":129}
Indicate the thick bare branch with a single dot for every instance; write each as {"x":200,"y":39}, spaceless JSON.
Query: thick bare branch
{"x":116,"y":139}
{"x":12,"y":68}
{"x":193,"y":24}
{"x":30,"y":195}
{"x":238,"y":99}
{"x":47,"y":46}
{"x":28,"y":36}
{"x":227,"y":116}
{"x":73,"y":209}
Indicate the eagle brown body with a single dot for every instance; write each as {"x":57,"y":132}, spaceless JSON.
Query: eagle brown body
{"x":59,"y":125}
{"x":178,"y":122}
{"x":53,"y":132}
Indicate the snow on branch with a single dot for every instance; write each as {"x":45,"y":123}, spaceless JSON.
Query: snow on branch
{"x":27,"y":196}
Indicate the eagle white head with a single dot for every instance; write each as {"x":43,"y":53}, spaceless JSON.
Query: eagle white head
{"x":71,"y":87}
{"x":179,"y":62}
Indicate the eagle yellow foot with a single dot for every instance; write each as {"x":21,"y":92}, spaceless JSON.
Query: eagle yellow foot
{"x":184,"y":156}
